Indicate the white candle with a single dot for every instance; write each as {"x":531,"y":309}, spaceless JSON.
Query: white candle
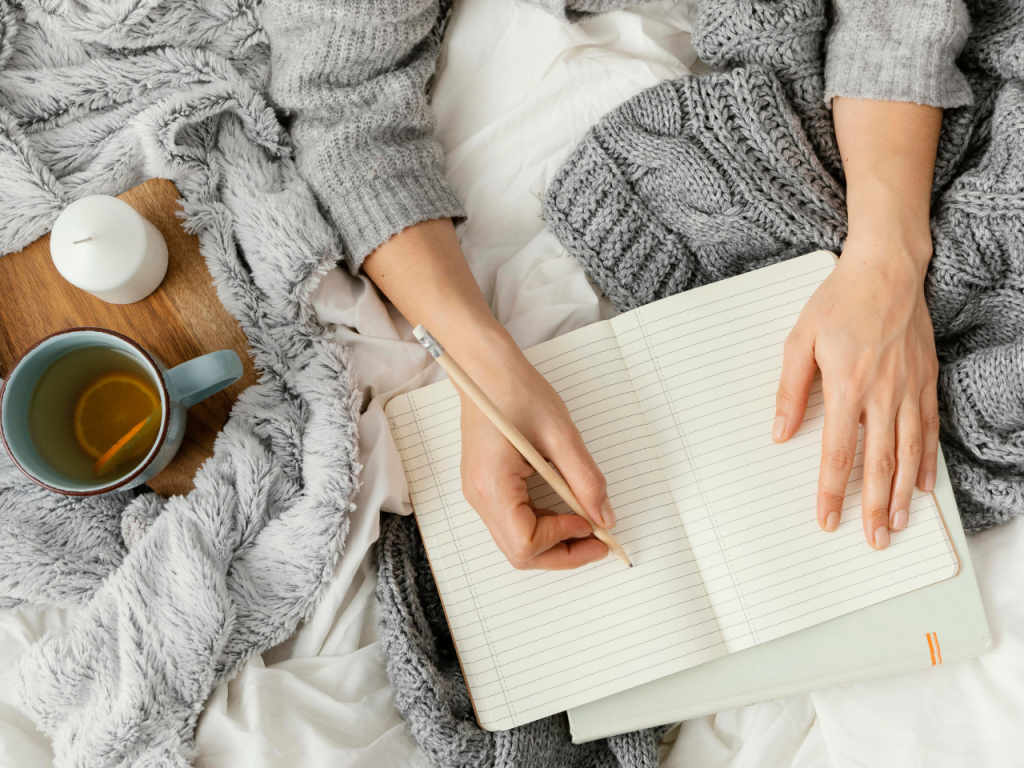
{"x":104,"y":246}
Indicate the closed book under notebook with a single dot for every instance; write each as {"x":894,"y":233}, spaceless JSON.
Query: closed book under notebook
{"x":675,"y":401}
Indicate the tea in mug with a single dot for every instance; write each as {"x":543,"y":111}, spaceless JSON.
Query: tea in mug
{"x":95,"y":414}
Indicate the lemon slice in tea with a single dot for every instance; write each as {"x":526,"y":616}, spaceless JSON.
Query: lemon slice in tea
{"x":110,"y":407}
{"x":131,"y":446}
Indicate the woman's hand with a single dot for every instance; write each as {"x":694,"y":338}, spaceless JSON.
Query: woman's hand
{"x":423,"y":272}
{"x":494,"y":474}
{"x":867,"y":327}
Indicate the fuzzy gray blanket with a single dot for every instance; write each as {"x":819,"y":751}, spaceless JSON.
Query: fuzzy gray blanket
{"x":173,"y":595}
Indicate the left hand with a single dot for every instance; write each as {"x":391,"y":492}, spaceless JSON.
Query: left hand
{"x":868,"y":330}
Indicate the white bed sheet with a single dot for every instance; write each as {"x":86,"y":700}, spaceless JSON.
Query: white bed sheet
{"x":515,"y":91}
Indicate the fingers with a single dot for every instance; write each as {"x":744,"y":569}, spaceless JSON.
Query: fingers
{"x":494,"y":482}
{"x":527,"y":534}
{"x":926,"y":473}
{"x":532,"y":538}
{"x":838,"y":447}
{"x":908,"y":463}
{"x":567,"y":555}
{"x":574,"y":462}
{"x":879,"y":467}
{"x":527,"y":537}
{"x":900,"y":451}
{"x":798,"y":369}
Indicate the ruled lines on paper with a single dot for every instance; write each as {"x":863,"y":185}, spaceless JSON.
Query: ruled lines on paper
{"x":675,"y":402}
{"x":705,"y":367}
{"x":533,"y":643}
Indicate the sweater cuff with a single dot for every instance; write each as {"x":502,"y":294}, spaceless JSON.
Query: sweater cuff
{"x":369,"y":214}
{"x":925,"y":73}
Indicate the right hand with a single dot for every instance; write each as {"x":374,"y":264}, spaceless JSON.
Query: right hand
{"x":422,"y":270}
{"x":494,"y":473}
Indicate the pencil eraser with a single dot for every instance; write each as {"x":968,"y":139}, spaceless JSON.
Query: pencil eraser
{"x":424,"y":337}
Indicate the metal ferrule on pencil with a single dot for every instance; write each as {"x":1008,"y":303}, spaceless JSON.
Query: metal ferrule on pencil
{"x":432,"y":345}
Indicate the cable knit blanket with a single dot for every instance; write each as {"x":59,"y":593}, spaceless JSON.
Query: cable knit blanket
{"x":702,"y":178}
{"x":174,"y":595}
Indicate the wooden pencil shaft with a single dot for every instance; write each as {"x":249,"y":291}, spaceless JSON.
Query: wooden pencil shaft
{"x":531,"y":454}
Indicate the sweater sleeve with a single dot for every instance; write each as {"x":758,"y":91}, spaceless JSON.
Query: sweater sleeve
{"x":352,"y":77}
{"x":898,"y":50}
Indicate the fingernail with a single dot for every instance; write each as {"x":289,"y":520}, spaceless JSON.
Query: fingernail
{"x":929,"y":482}
{"x":779,"y":427}
{"x":607,"y":513}
{"x":881,"y":537}
{"x":900,"y":520}
{"x":832,"y":521}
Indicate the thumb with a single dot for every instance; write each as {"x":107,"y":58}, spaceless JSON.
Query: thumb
{"x":798,"y":369}
{"x":574,"y":462}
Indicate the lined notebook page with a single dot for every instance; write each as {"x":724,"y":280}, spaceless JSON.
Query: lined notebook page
{"x":532,"y":643}
{"x":705,"y":366}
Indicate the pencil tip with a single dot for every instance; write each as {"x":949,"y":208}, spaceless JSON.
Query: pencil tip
{"x":630,"y":565}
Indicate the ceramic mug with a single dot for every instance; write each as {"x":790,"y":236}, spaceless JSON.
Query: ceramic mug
{"x":180,"y":387}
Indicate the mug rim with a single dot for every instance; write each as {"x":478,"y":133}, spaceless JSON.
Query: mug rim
{"x":153,"y":452}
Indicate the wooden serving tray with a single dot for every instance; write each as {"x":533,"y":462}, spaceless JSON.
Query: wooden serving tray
{"x":182,"y":319}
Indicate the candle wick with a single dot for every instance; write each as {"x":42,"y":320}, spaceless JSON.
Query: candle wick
{"x":83,"y":240}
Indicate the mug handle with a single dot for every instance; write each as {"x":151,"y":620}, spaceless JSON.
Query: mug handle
{"x":195,"y":380}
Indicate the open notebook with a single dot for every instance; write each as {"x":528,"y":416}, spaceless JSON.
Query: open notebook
{"x":675,"y":401}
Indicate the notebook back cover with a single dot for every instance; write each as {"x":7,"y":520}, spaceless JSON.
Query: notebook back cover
{"x":937,"y":624}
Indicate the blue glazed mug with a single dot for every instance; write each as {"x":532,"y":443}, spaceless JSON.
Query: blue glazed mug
{"x":179,"y":388}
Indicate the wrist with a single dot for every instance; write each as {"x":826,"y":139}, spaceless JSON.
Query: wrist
{"x":888,"y":151}
{"x":489,"y":354}
{"x":890,"y":253}
{"x":480,"y":344}
{"x":885,"y":233}
{"x":889,"y":223}
{"x":890,"y":249}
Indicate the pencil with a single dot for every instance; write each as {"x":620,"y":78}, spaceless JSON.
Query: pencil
{"x":508,"y":429}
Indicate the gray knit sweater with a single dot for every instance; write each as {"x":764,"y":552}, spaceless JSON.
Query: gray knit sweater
{"x":353,"y":76}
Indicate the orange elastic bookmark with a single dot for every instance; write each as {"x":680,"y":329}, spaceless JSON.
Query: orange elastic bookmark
{"x":933,"y":648}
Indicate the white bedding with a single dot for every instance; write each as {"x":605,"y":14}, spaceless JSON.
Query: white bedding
{"x":515,"y":91}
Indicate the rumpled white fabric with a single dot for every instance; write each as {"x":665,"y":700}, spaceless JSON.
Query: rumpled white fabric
{"x":516,"y":89}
